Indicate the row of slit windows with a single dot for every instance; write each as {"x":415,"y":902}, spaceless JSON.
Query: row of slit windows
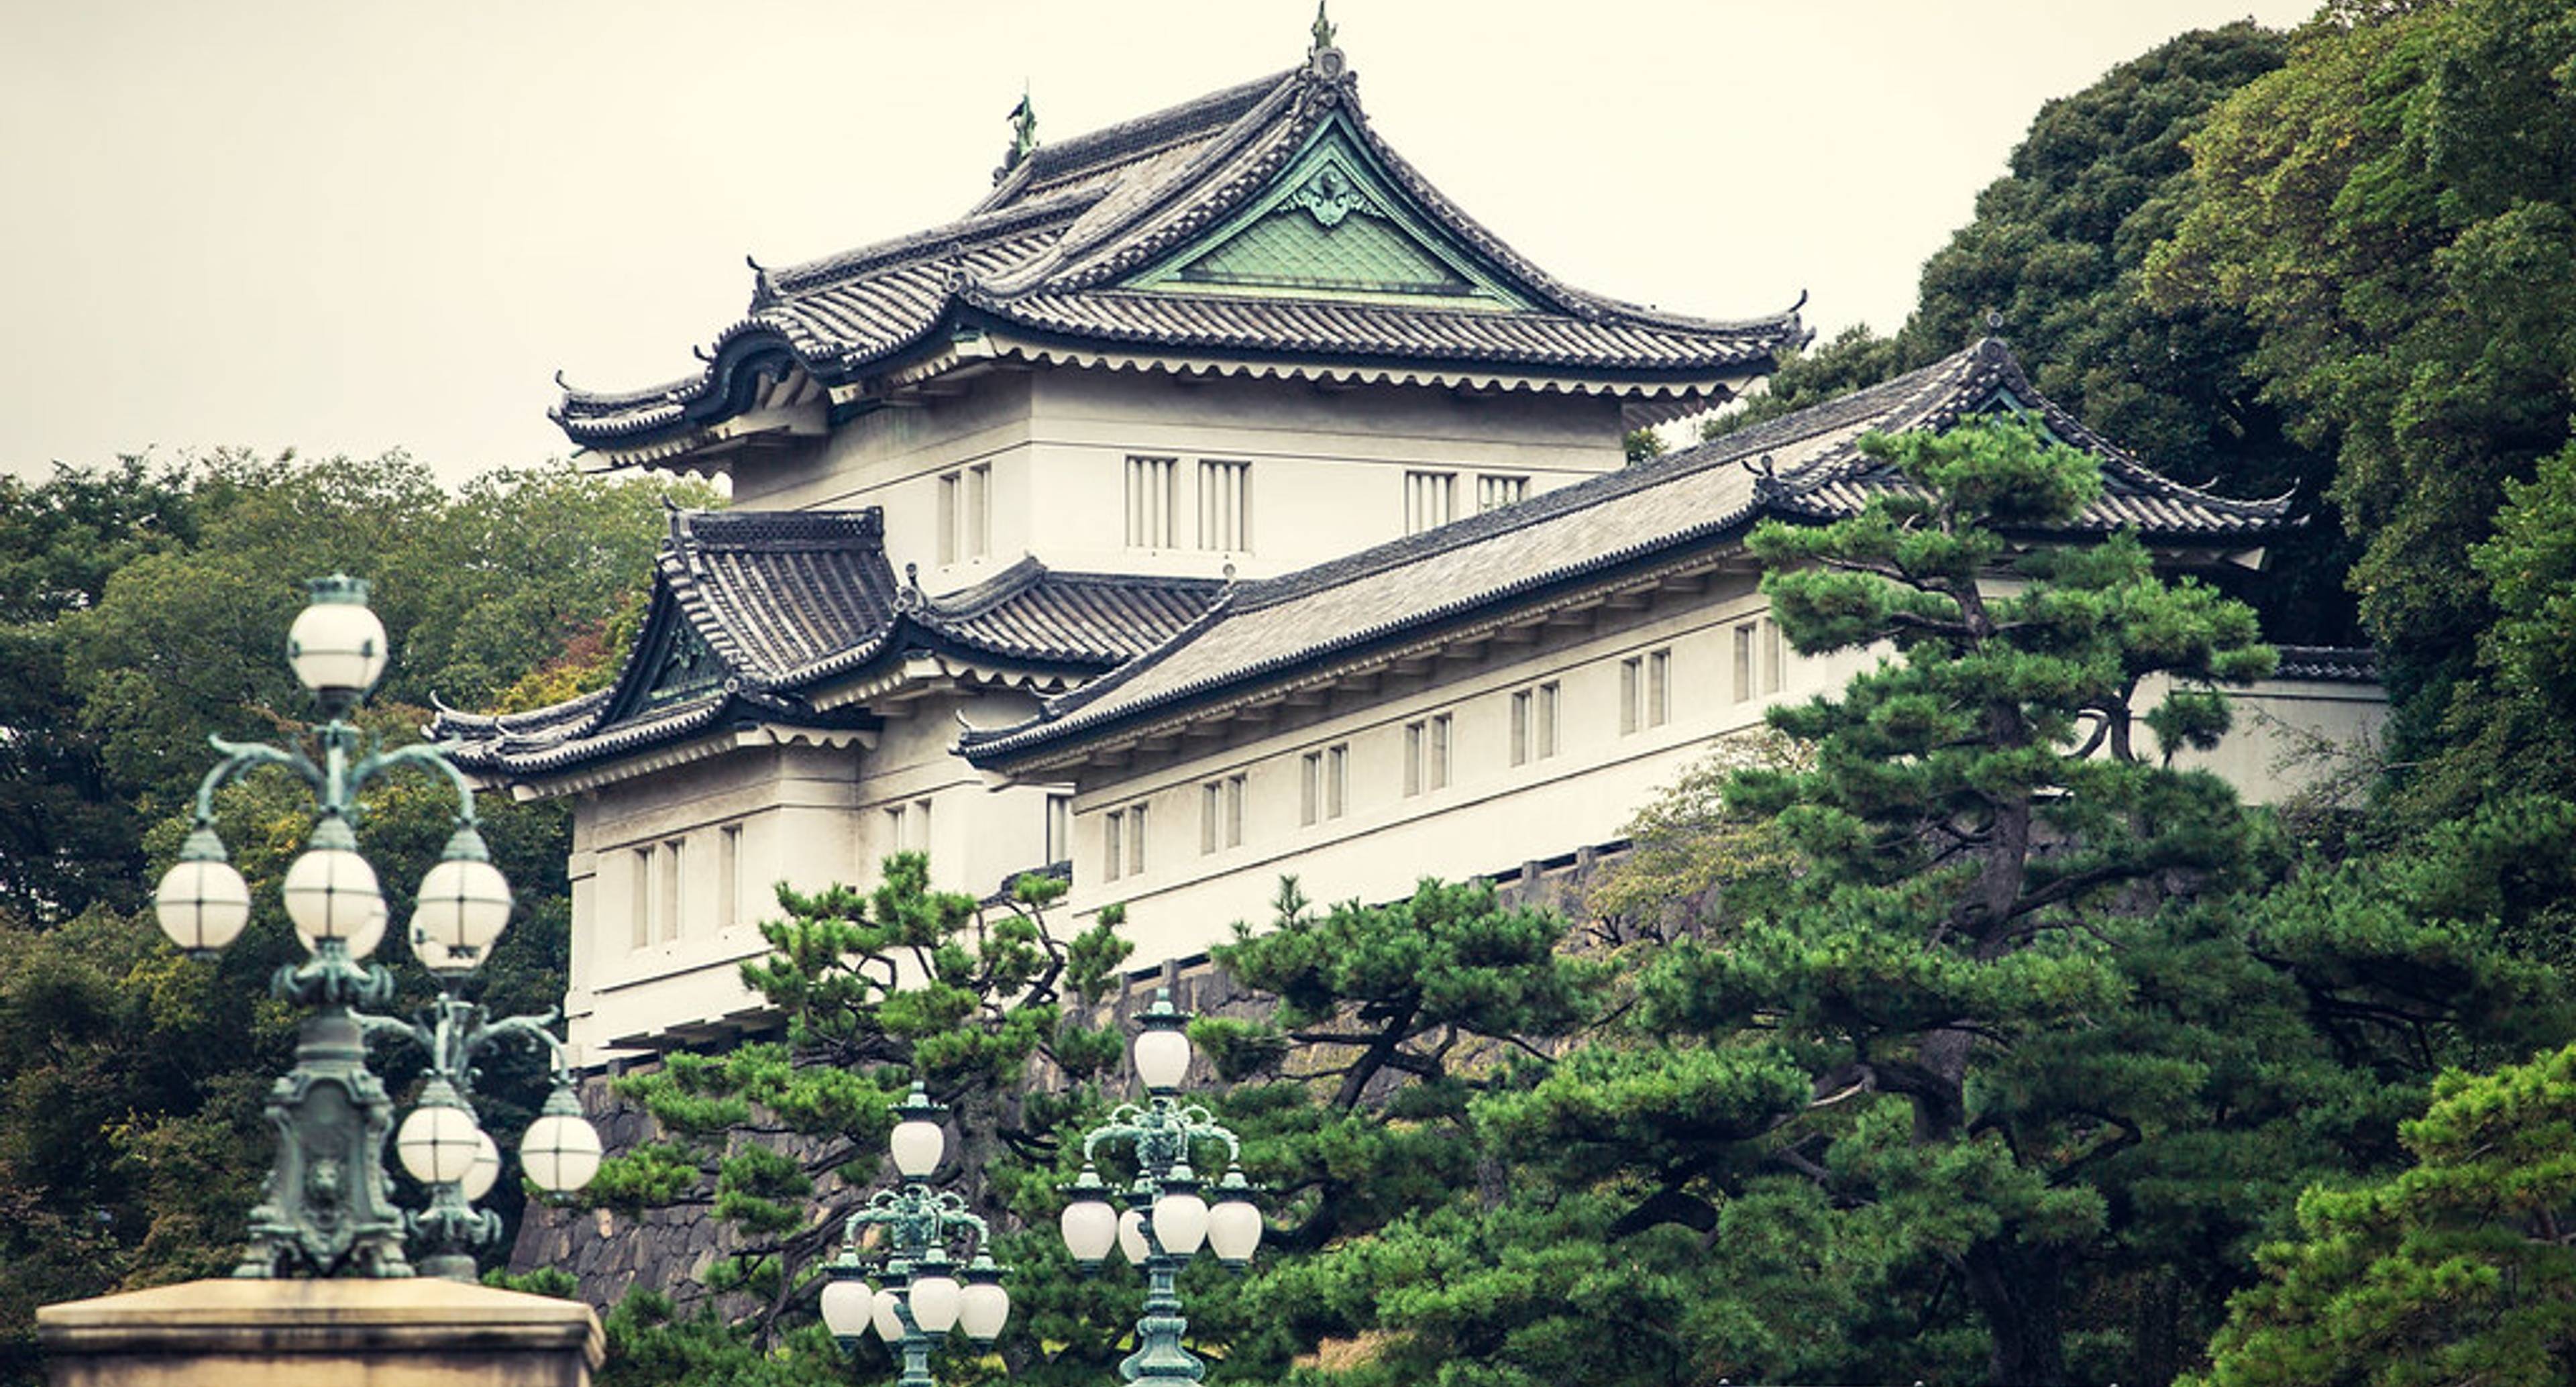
{"x":966,"y":513}
{"x":661,"y":879}
{"x":1431,"y":498}
{"x":1155,"y":513}
{"x":1535,"y":733}
{"x":1154,"y":510}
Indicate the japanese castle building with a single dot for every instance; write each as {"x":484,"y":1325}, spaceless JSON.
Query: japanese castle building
{"x":1213,"y":500}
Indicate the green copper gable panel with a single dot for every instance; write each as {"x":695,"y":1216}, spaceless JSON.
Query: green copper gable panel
{"x":687,"y":669}
{"x":1330,"y":226}
{"x":1289,"y":249}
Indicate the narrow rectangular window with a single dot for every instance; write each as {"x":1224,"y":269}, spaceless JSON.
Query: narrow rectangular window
{"x":1211,"y":809}
{"x":1547,"y":725}
{"x":1234,"y":787}
{"x":920,"y":826}
{"x":1430,"y":500}
{"x":1437,"y":773}
{"x":1632,"y":687}
{"x":1744,"y":661}
{"x":1310,"y":787}
{"x":1415,"y":735}
{"x":898,"y":829}
{"x":948,"y":517}
{"x":1773,"y":656}
{"x":643,"y":892}
{"x":1113,"y":852}
{"x":1225,"y":506}
{"x":1152,"y":499}
{"x":728,"y":876}
{"x":1059,"y":828}
{"x":1494,"y":493}
{"x":1520,"y":727}
{"x":668,"y":902}
{"x":1337,"y":779}
{"x":1135,"y":839}
{"x":979,"y":511}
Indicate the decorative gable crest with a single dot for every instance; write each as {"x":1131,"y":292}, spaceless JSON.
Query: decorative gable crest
{"x":685,"y":668}
{"x":1333,"y":225}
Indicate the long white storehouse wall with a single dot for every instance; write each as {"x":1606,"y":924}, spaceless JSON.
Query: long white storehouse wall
{"x":1493,"y":815}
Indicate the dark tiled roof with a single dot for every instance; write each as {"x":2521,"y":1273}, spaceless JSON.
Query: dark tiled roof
{"x":2329,"y":664}
{"x":1803,"y":465}
{"x":788,"y":600}
{"x":1045,"y":253}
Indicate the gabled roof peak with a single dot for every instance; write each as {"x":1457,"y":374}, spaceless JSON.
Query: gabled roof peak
{"x":1178,"y":234}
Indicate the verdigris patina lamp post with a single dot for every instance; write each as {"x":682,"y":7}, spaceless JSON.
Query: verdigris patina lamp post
{"x":326,"y":1210}
{"x":443,"y":1146}
{"x":924,"y":1296}
{"x":1168,"y":1216}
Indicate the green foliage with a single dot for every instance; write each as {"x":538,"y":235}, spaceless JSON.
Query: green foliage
{"x":2394,"y":213}
{"x":877,"y":989}
{"x":1981,"y":823}
{"x":142,"y":608}
{"x":2057,"y":252}
{"x":2456,"y":1270}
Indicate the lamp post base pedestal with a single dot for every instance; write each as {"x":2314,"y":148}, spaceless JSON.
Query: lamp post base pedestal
{"x":410,"y":1332}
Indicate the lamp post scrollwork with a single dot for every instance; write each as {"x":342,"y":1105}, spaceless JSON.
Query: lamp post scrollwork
{"x":925,"y":1295}
{"x":326,"y":1209}
{"x":1168,"y":1215}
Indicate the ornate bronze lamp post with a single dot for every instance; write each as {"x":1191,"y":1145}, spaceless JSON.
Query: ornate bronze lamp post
{"x":326,"y":1210}
{"x":1168,"y":1215}
{"x":924,"y":1295}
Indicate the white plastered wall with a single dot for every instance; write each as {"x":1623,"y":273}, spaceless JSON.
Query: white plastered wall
{"x":1495,"y":815}
{"x":1327,"y":466}
{"x":808,"y":816}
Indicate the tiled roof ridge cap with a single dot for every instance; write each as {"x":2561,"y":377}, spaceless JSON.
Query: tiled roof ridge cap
{"x":967,"y":603}
{"x":1043,"y":270}
{"x":974,"y":227}
{"x":1256,"y":594}
{"x":2328,"y":663}
{"x":1065,"y":705}
{"x":852,"y":527}
{"x":1168,"y":126}
{"x":448,"y":721}
{"x":1057,"y":714}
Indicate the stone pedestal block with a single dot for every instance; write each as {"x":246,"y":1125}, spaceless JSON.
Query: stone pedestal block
{"x":403,"y":1332}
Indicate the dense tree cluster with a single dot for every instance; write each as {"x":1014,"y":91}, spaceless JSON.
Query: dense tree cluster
{"x":1948,"y":1031}
{"x":143,"y":607}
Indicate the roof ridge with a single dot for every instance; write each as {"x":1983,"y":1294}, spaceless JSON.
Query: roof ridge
{"x":1174,"y":123}
{"x":824,"y":271}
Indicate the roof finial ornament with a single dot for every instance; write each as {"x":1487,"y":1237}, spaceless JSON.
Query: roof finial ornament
{"x":1323,"y":60}
{"x":1766,"y":481}
{"x":911,"y":599}
{"x":1024,"y":133}
{"x":1994,"y":320}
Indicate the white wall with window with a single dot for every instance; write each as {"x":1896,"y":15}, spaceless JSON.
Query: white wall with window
{"x":1225,"y":506}
{"x":1430,"y":500}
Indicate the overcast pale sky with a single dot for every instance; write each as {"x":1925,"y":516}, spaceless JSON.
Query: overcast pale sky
{"x":348,"y":226}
